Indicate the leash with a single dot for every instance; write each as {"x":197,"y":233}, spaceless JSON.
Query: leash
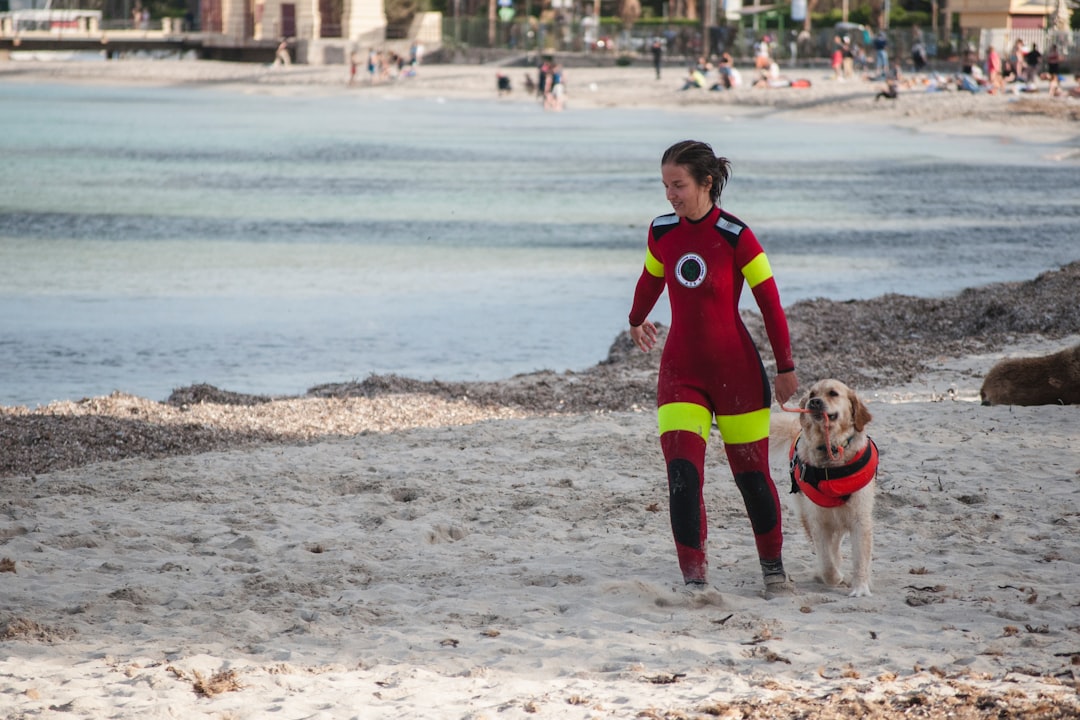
{"x":828,"y":440}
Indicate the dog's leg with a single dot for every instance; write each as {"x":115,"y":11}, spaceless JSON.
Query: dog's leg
{"x":806,"y":526}
{"x":828,"y":550}
{"x":862,"y":548}
{"x":862,"y":540}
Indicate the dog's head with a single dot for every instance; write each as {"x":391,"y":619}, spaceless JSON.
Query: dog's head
{"x":834,"y":409}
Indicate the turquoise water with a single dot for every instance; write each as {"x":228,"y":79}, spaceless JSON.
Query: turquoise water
{"x":152,"y":238}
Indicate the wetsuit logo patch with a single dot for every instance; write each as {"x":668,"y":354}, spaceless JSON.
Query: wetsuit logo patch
{"x":690,"y":270}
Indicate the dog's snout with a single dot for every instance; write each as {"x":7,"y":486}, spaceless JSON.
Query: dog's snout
{"x":816,"y":404}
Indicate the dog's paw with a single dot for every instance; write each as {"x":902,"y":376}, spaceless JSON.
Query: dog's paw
{"x":831,"y":578}
{"x":860,"y":590}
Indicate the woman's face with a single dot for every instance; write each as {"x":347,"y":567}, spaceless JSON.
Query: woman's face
{"x":688,"y":198}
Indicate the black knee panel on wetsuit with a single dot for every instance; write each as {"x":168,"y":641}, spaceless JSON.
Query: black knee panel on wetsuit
{"x":684,"y":489}
{"x":758,"y":499}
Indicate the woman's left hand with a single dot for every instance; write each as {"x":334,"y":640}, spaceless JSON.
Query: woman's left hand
{"x":786,"y":384}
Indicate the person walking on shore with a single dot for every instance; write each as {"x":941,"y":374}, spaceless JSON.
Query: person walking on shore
{"x":710,"y":368}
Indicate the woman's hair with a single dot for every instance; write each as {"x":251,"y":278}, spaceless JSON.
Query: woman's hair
{"x":702,"y":163}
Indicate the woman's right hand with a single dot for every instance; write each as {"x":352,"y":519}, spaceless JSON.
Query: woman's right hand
{"x":644,"y":336}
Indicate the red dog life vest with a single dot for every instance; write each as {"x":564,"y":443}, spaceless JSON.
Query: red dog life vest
{"x":831,"y":487}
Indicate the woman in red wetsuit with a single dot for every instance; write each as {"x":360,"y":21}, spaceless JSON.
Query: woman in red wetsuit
{"x":710,"y":368}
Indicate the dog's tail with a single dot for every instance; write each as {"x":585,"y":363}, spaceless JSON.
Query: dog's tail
{"x":783,"y":429}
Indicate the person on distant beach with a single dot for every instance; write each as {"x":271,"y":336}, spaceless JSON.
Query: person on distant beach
{"x":881,"y":54}
{"x":968,"y":60}
{"x":918,"y":56}
{"x":847,"y":52}
{"x":710,"y":368}
{"x":1053,"y":61}
{"x":859,"y":59}
{"x":771,"y":78}
{"x":354,"y":64}
{"x":726,"y":73}
{"x":373,"y":61}
{"x":542,"y":73}
{"x":695,"y":79}
{"x":281,"y":57}
{"x":657,"y":55}
{"x":1074,"y":92}
{"x":1032,"y":60}
{"x":1017,"y":57}
{"x":502,"y":84}
{"x":837,"y":58}
{"x":893,"y":78}
{"x":762,"y":54}
{"x":555,"y":93}
{"x":994,"y":70}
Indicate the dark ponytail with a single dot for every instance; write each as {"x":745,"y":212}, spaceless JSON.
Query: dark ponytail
{"x":702,"y":163}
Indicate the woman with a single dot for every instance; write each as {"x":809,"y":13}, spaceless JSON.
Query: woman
{"x":1053,"y":62}
{"x":994,"y":69}
{"x":710,"y":367}
{"x":1017,"y":58}
{"x":837,"y":58}
{"x":556,"y":90}
{"x":1053,"y":70}
{"x":762,"y":54}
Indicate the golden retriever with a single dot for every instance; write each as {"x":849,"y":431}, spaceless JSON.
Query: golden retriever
{"x":832,"y":463}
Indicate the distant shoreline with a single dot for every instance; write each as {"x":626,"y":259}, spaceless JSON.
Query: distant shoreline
{"x":1034,"y":117}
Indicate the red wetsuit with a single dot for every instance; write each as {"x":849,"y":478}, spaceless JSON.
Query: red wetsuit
{"x":710,"y":369}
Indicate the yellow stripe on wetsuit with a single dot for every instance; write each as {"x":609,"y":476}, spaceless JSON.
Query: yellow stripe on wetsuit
{"x":734,"y":429}
{"x":757,"y":270}
{"x":654,"y":266}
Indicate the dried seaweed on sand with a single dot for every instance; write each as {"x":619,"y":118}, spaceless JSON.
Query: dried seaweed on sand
{"x":870,"y":343}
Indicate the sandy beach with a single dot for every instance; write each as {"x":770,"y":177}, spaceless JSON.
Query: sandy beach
{"x":400,"y":549}
{"x":1031,"y":116}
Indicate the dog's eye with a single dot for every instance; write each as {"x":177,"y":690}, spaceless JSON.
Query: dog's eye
{"x":833,"y":393}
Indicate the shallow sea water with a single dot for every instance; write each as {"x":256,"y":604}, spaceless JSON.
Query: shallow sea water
{"x":152,"y":238}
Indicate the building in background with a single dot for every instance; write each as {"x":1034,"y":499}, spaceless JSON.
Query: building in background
{"x":1012,"y":14}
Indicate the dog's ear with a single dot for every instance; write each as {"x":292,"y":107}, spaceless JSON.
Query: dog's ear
{"x":860,"y":415}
